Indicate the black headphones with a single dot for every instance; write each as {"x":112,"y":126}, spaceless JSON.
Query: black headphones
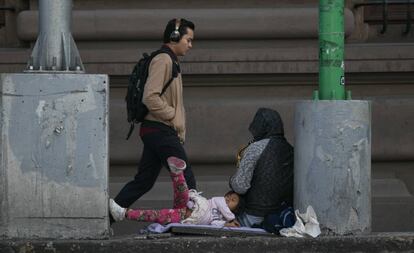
{"x":175,"y":35}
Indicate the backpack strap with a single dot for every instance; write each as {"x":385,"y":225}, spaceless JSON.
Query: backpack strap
{"x":131,"y":129}
{"x":175,"y":68}
{"x":166,"y":86}
{"x":175,"y":65}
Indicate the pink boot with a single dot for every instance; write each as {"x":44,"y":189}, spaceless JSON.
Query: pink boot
{"x":176,"y":165}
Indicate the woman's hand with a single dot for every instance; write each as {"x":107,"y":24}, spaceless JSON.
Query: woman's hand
{"x":232,"y":223}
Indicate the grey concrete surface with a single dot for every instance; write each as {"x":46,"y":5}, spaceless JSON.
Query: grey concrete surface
{"x":54,"y":153}
{"x":333,"y":163}
{"x":391,"y":242}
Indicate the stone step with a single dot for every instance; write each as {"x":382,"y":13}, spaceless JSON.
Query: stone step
{"x":377,"y":242}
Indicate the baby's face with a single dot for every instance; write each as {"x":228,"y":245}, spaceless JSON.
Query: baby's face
{"x":232,"y":200}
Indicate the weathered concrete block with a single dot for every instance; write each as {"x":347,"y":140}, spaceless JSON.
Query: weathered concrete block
{"x":54,"y":156}
{"x":333,"y":163}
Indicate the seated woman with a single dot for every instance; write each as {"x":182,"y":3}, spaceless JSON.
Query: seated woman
{"x":189,"y":206}
{"x":264,"y":177}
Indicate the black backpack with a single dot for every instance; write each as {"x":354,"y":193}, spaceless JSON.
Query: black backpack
{"x":136,"y":110}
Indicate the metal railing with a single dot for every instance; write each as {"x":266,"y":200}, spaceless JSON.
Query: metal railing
{"x":7,"y":8}
{"x":385,"y":4}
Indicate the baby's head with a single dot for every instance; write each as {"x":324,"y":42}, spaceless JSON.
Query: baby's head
{"x":234,"y":202}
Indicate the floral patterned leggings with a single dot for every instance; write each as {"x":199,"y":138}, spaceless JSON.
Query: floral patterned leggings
{"x":165,"y":216}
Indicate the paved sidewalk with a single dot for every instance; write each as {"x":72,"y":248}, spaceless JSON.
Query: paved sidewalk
{"x":382,"y":242}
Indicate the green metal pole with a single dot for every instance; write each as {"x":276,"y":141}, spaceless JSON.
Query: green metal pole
{"x":331,"y":50}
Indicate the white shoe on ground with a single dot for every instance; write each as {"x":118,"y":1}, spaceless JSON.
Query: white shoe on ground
{"x":118,"y":212}
{"x":176,"y":164}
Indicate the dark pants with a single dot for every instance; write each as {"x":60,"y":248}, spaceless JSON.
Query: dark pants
{"x":159,"y":144}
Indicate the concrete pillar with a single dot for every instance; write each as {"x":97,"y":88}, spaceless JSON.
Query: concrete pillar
{"x":333,"y":163}
{"x":54,"y":156}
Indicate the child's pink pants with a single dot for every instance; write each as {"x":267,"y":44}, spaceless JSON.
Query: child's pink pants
{"x":164,"y":216}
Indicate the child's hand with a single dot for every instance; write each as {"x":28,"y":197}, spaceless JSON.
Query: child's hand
{"x":232,"y":223}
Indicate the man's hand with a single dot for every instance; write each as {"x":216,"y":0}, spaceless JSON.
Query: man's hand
{"x":232,"y":223}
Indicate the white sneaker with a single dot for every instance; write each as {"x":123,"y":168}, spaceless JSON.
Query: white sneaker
{"x":176,"y":165}
{"x":118,"y":212}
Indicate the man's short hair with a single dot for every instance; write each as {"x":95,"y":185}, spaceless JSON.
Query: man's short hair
{"x":184,"y":24}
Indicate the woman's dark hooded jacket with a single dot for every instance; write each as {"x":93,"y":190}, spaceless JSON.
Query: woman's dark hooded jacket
{"x":272,"y":181}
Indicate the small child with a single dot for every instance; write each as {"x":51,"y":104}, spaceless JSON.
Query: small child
{"x":189,"y":206}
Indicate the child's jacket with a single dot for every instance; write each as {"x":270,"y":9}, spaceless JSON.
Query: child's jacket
{"x":212,"y":211}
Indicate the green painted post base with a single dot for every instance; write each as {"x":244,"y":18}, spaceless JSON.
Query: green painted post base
{"x":348,"y":95}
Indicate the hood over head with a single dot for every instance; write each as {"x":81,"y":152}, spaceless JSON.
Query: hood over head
{"x":266,"y":123}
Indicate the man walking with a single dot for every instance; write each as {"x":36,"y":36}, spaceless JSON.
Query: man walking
{"x":163,"y":130}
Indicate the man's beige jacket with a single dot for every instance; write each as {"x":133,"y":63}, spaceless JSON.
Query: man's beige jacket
{"x":168,"y":108}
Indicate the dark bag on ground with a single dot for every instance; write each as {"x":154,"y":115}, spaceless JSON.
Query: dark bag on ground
{"x":284,"y":218}
{"x":136,"y":110}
